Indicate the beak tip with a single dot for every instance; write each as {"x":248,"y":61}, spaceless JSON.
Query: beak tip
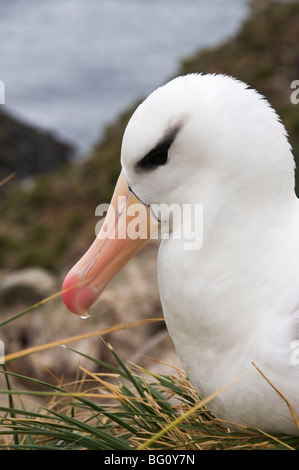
{"x":70,"y":294}
{"x":76,"y":298}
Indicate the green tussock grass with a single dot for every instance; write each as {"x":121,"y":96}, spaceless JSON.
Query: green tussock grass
{"x":122,"y":407}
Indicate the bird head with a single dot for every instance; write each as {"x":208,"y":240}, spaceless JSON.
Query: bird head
{"x":184,"y":144}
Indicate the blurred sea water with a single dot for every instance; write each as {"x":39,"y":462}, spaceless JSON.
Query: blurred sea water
{"x":71,"y":66}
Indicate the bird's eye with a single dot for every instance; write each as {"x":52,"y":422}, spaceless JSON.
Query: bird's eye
{"x":158,"y":157}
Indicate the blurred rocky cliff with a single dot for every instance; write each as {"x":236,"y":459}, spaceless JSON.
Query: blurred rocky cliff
{"x":28,"y":151}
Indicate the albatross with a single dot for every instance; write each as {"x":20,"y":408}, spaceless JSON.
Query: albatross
{"x":232,"y":302}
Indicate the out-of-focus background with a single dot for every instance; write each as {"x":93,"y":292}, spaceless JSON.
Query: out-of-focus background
{"x":74,"y":71}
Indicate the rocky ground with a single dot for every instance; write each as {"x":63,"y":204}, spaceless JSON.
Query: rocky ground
{"x":131,"y":296}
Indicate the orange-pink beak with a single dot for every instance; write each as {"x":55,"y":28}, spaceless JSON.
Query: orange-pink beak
{"x":121,"y":236}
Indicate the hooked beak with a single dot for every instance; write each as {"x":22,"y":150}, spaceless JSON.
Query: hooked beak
{"x":116,"y":243}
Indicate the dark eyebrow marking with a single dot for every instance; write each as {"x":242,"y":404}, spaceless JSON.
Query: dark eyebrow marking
{"x":159,"y":154}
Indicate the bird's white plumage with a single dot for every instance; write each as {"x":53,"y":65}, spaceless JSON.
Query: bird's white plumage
{"x":236,"y":300}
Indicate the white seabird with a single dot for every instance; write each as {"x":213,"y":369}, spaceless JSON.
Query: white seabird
{"x":211,"y":140}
